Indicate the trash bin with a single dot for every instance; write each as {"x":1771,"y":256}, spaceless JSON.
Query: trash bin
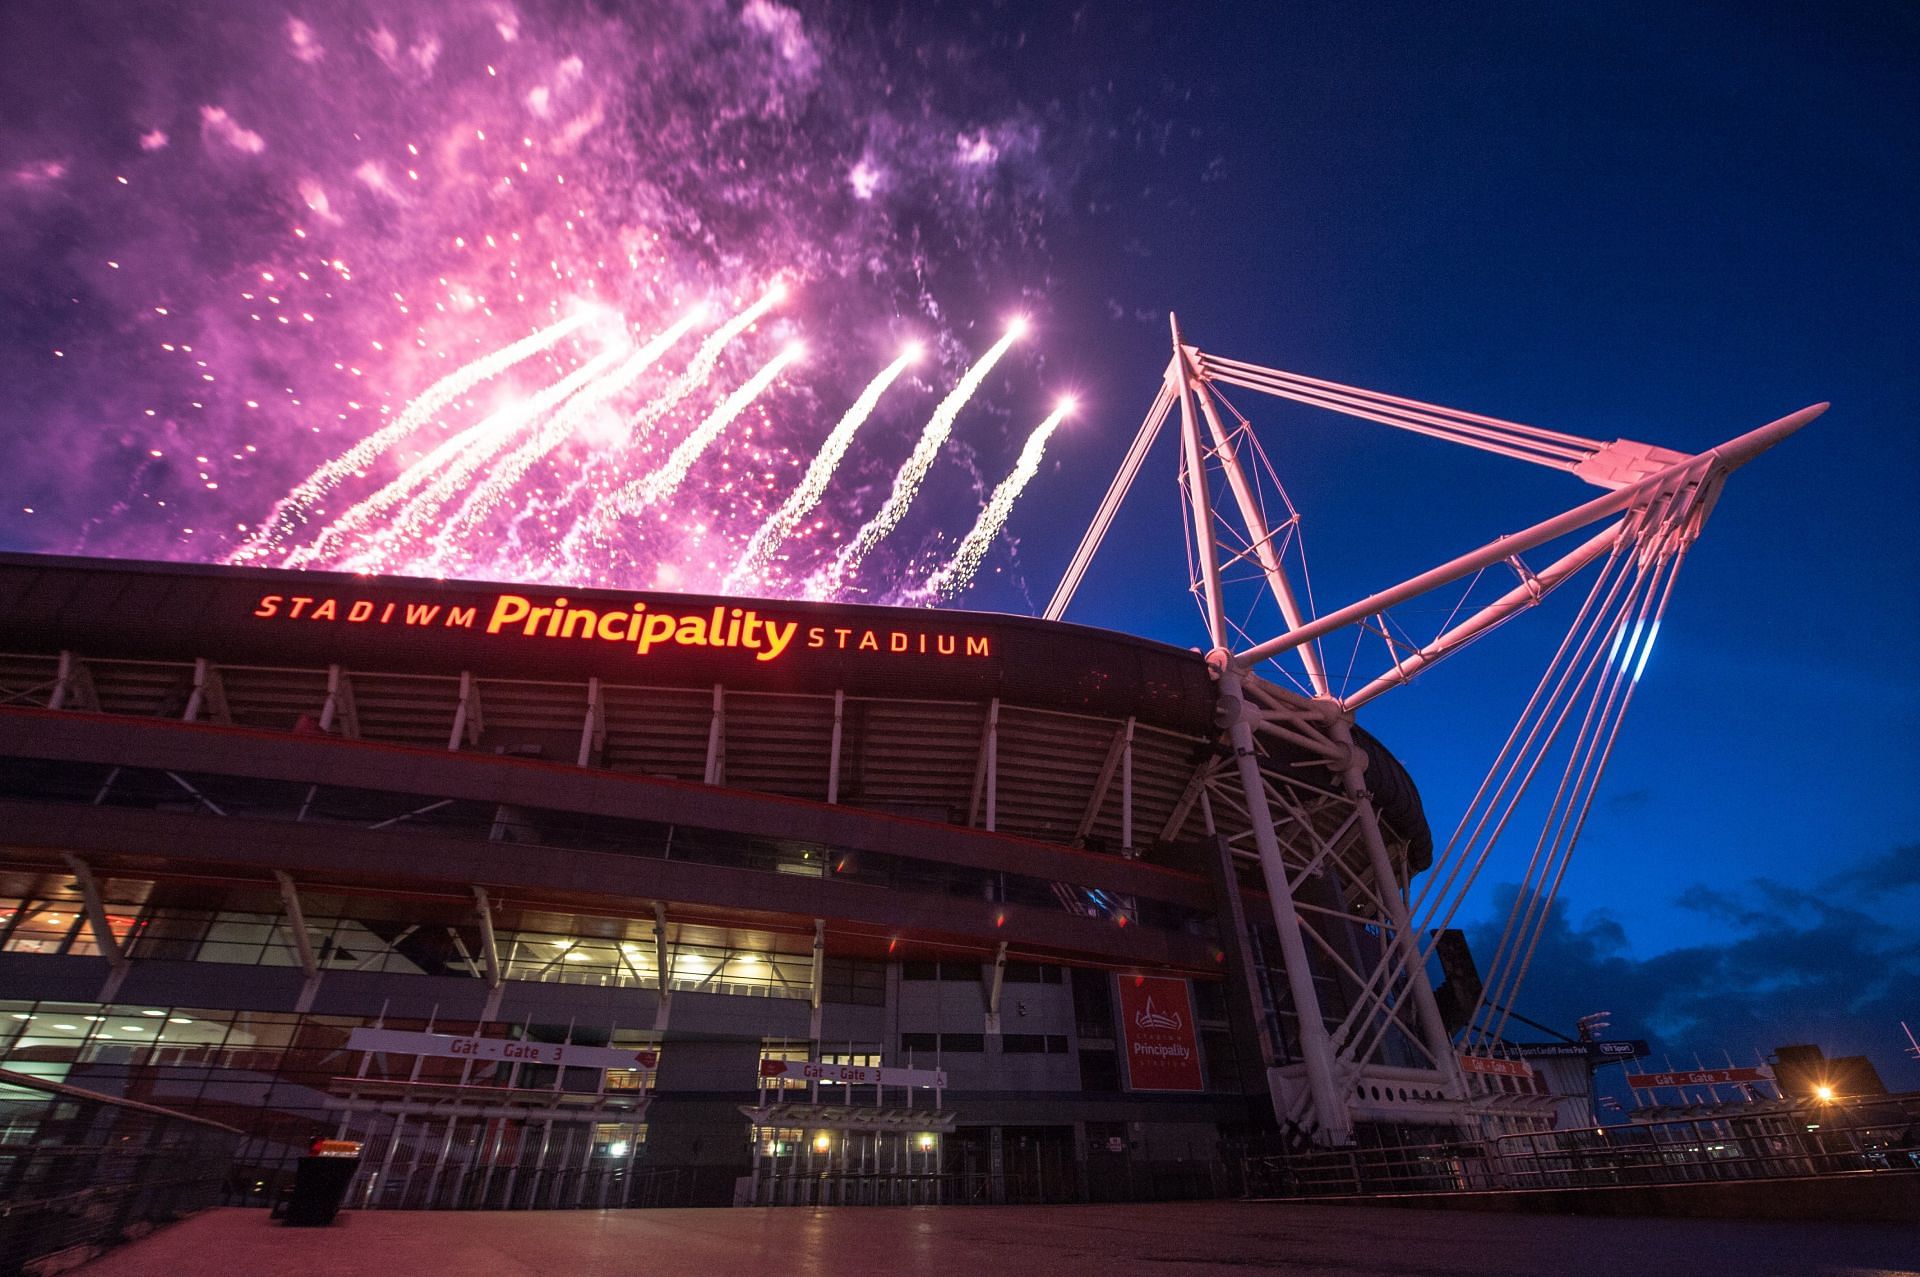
{"x":320,"y":1183}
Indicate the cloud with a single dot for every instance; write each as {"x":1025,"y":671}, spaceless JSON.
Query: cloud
{"x":785,"y":29}
{"x":1836,"y":965}
{"x":374,"y":177}
{"x":303,"y":43}
{"x":40,"y":172}
{"x":1897,"y":870}
{"x":866,"y":178}
{"x":314,"y":196}
{"x":975,"y":149}
{"x":217,"y":125}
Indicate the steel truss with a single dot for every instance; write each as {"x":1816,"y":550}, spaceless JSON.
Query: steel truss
{"x":1362,"y":1004}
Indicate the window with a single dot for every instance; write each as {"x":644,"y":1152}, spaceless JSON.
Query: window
{"x":1032,"y":973}
{"x":1099,"y":1071}
{"x":926,"y":1045}
{"x":1216,"y":1048}
{"x":1210,"y":1000}
{"x":853,"y":982}
{"x":1033,"y":1044}
{"x":961,"y":972}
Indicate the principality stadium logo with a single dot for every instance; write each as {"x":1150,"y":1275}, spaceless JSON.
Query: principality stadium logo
{"x":1150,"y":1017}
{"x":637,"y":625}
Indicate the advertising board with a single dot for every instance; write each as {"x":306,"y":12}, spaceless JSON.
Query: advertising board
{"x":1156,"y":1024}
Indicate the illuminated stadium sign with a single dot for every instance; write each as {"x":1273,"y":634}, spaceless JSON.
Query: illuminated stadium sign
{"x":271,"y":619}
{"x":741,"y":629}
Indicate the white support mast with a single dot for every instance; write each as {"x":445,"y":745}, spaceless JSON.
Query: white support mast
{"x":1328,"y":862}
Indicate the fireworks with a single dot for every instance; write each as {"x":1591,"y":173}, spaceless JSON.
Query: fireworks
{"x":661,"y":483}
{"x":700,"y":370}
{"x":450,"y":543}
{"x":411,"y":296}
{"x":906,"y":483}
{"x":424,"y":487}
{"x":959,"y":572}
{"x":297,"y":508}
{"x":767,"y":539}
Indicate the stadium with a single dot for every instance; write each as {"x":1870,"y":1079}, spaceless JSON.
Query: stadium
{"x":558,"y":898}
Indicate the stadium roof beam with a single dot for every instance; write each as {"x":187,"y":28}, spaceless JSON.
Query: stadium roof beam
{"x":302,"y":946}
{"x":662,"y":966}
{"x":593,"y":728}
{"x":817,"y":982}
{"x":716,"y":771}
{"x":834,"y":743}
{"x":468,"y":721}
{"x":1122,"y":743}
{"x":995,"y":987}
{"x":73,"y":686}
{"x":489,"y":952}
{"x":986,"y":772}
{"x":338,"y":708}
{"x":103,"y":938}
{"x":209,"y":695}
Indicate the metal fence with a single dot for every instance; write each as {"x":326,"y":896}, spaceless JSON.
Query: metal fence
{"x":1144,"y":1182}
{"x":1880,"y":1135}
{"x":618,"y":1187}
{"x":81,"y":1172}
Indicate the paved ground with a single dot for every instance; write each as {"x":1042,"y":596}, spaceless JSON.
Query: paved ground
{"x":1055,"y":1241}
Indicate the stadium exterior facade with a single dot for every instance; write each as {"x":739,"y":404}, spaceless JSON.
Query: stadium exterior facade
{"x":640,"y":886}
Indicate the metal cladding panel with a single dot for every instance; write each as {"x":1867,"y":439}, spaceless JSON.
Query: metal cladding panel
{"x":247,"y":616}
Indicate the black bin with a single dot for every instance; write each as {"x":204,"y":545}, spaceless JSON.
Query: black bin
{"x":319,"y":1186}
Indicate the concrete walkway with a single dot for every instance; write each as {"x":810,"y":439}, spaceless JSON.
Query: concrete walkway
{"x":1054,"y":1241}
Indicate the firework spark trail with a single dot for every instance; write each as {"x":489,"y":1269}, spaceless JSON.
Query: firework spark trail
{"x":906,"y":483}
{"x":591,"y":529}
{"x":960,"y":570}
{"x":447,"y":550}
{"x":443,"y":469}
{"x":665,"y":479}
{"x":295,"y":509}
{"x":801,"y":501}
{"x":704,"y":361}
{"x":390,"y":549}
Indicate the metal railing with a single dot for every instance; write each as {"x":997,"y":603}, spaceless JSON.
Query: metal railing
{"x":1146,"y":1182}
{"x":1881,"y":1135}
{"x":81,"y":1172}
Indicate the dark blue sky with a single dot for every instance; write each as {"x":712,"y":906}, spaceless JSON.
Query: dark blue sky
{"x":1669,"y":223}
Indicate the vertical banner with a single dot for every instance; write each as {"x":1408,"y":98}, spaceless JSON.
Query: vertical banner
{"x":1156,"y":1024}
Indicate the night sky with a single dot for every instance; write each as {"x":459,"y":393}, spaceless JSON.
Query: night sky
{"x":1665,"y":223}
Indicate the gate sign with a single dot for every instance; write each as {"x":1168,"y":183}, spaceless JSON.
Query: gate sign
{"x":1156,"y":1024}
{"x":511,"y":1050}
{"x":1698,"y":1077}
{"x":1496,"y":1066}
{"x":852,"y":1074}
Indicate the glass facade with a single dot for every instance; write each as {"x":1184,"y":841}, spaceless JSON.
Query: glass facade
{"x":255,"y":799}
